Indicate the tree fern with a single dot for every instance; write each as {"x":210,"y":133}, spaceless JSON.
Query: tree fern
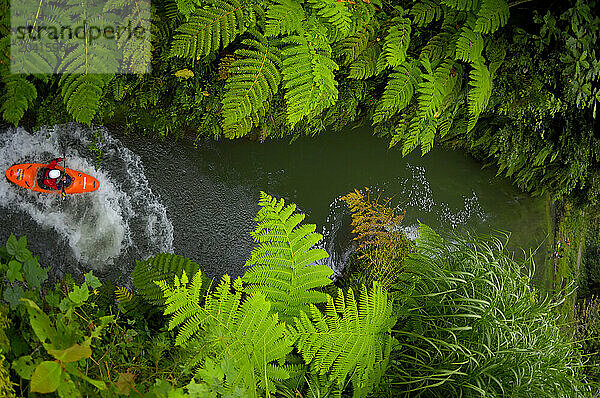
{"x":492,"y":15}
{"x":462,"y":5}
{"x":426,"y":11}
{"x":163,"y":266}
{"x":429,"y":94}
{"x":308,"y":75}
{"x":350,"y":339}
{"x":398,"y":92}
{"x":284,"y":18}
{"x":245,"y":332}
{"x":81,"y":93}
{"x":209,"y":29}
{"x":479,"y":94}
{"x":366,"y":64}
{"x":19,"y":94}
{"x":397,"y":41}
{"x":254,"y":81}
{"x":437,"y":46}
{"x":283,"y":263}
{"x":351,"y":47}
{"x":334,"y":13}
{"x":469,"y":45}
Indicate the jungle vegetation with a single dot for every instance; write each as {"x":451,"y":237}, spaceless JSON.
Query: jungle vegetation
{"x":522,"y":97}
{"x":457,"y":318}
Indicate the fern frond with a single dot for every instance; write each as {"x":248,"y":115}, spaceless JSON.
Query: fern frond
{"x":334,"y":13}
{"x":397,"y":41}
{"x":462,"y":5}
{"x":350,"y":338}
{"x":308,"y":76}
{"x":426,"y":11}
{"x":284,"y":18}
{"x":123,"y":294}
{"x":479,"y":94}
{"x":351,"y":47}
{"x":81,"y":93}
{"x":247,"y":333}
{"x":254,"y":81}
{"x":19,"y":94}
{"x":366,"y":65}
{"x":283,"y":264}
{"x":163,"y":266}
{"x":398,"y":92}
{"x":492,"y":15}
{"x":209,"y":29}
{"x":469,"y":46}
{"x":437,"y":46}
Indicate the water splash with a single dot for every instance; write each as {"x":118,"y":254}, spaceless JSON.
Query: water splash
{"x":123,"y":215}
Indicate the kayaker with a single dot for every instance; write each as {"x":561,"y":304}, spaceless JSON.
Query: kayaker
{"x":52,"y":175}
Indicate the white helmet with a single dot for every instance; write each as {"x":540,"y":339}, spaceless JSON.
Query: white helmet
{"x":54,"y":173}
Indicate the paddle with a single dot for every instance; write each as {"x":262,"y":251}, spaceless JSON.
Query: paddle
{"x":64,"y":179}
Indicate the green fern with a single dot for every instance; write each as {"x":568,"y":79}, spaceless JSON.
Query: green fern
{"x":462,"y":5}
{"x":366,"y":64}
{"x":283,"y":264}
{"x":425,"y":12}
{"x":492,"y":15}
{"x":469,"y":46}
{"x":209,"y":29}
{"x":186,"y":7}
{"x":437,"y":47}
{"x":284,"y":18}
{"x":254,"y":81}
{"x":479,"y":94}
{"x":398,"y":92}
{"x":82,"y":93}
{"x":350,"y":339}
{"x":246,"y":332}
{"x":352,"y":47}
{"x":19,"y":94}
{"x":429,"y":98}
{"x":334,"y":13}
{"x":163,"y":266}
{"x":397,"y":41}
{"x":308,"y":75}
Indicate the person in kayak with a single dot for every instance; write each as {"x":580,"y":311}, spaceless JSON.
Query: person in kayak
{"x":52,"y":175}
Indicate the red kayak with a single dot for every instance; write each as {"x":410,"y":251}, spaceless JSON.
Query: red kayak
{"x":31,"y":176}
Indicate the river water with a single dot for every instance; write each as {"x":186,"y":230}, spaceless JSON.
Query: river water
{"x":199,"y":199}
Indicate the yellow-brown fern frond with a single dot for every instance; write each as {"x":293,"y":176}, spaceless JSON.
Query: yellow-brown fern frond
{"x":123,"y":294}
{"x":371,"y":217}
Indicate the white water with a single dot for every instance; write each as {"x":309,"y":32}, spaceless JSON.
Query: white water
{"x":122,"y":215}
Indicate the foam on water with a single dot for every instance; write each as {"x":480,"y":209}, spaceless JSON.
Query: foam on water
{"x":122,"y":215}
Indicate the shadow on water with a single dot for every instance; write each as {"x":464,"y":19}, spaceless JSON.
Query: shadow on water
{"x":200,"y":201}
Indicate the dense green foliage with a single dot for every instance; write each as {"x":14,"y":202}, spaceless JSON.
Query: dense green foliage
{"x":460,"y":320}
{"x":477,"y":73}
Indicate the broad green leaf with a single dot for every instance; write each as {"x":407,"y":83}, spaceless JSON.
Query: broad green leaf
{"x":46,"y":377}
{"x":12,"y":246}
{"x":23,"y":253}
{"x":35,"y":275}
{"x":72,"y":354}
{"x":14,"y":271}
{"x":92,"y":281}
{"x":79,"y":294}
{"x":24,"y":367}
{"x":40,"y":323}
{"x":12,"y":295}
